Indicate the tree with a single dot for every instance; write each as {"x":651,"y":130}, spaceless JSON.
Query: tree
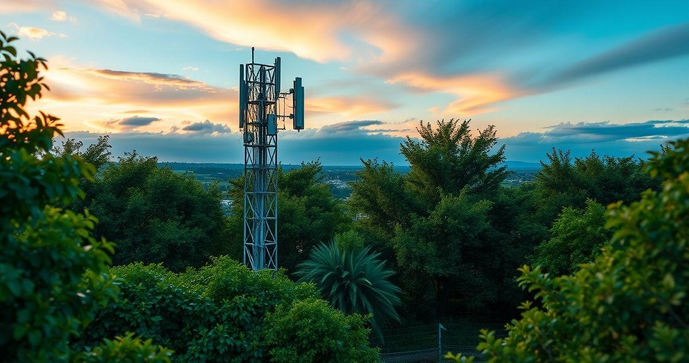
{"x":354,"y":281}
{"x":630,"y":304}
{"x":576,"y":238}
{"x":53,"y":272}
{"x":563,"y":182}
{"x":97,"y":154}
{"x":155,"y":215}
{"x":307,"y":214}
{"x":448,"y":159}
{"x":379,"y":195}
{"x":433,"y":222}
{"x":448,"y":248}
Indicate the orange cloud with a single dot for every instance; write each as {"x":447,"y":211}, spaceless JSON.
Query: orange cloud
{"x":91,"y":99}
{"x":348,"y":105}
{"x":312,"y":30}
{"x":476,"y":93}
{"x":9,"y":7}
{"x":34,"y":33}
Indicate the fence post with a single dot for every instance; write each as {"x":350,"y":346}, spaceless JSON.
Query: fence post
{"x":440,"y":341}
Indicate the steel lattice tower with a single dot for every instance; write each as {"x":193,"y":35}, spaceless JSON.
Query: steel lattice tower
{"x":259,"y":112}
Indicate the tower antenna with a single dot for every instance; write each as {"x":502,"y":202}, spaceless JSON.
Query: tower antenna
{"x":261,"y":106}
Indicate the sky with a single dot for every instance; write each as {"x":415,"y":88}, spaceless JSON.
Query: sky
{"x":161,"y":76}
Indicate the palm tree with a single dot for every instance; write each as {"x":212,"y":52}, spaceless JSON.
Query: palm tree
{"x":354,"y":281}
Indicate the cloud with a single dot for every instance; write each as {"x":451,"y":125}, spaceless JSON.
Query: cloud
{"x":661,"y":44}
{"x":327,"y":35}
{"x":476,"y":93}
{"x":348,"y":127}
{"x":605,"y":137}
{"x":86,"y":96}
{"x":207,"y":127}
{"x":190,"y":68}
{"x":11,"y":7}
{"x":307,"y":145}
{"x":60,"y":15}
{"x":349,"y":105}
{"x":138,"y":121}
{"x":34,"y":33}
{"x":482,"y":54}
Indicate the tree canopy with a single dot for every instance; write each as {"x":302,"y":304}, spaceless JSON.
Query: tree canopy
{"x":155,"y":215}
{"x":628,"y":304}
{"x":577,"y":237}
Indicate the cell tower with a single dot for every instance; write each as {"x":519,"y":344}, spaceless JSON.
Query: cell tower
{"x":261,"y":108}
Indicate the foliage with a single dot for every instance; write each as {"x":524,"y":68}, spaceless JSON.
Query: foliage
{"x":308,"y":214}
{"x":516,"y":230}
{"x":155,"y":215}
{"x":354,"y":281}
{"x":434,"y":221}
{"x":442,"y":248}
{"x":215,"y":313}
{"x":52,"y":270}
{"x":379,"y":195}
{"x":630,"y":304}
{"x":309,"y":331}
{"x":565,"y":182}
{"x":576,"y":238}
{"x":125,"y":349}
{"x":459,"y":358}
{"x":349,"y":241}
{"x":448,"y":160}
{"x":97,"y":154}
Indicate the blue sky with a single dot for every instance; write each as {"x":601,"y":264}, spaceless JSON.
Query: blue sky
{"x":160,"y":76}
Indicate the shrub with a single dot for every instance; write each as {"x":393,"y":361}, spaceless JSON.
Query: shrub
{"x":354,"y":281}
{"x":125,"y":349}
{"x":309,"y":331}
{"x":216,"y":313}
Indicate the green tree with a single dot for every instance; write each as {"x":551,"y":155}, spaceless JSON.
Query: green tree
{"x":309,"y":331}
{"x":97,"y":154}
{"x":576,"y":237}
{"x":447,"y":159}
{"x":517,"y":229}
{"x":563,"y":181}
{"x":379,"y":197}
{"x":630,"y":304}
{"x":448,"y":248}
{"x":155,"y":215}
{"x":354,"y":281}
{"x":53,"y":272}
{"x":433,"y":222}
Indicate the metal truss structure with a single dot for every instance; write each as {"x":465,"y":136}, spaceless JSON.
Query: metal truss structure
{"x":259,"y":112}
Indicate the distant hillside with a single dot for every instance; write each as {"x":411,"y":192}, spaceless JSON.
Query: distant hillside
{"x":523,"y":165}
{"x":336,"y":176}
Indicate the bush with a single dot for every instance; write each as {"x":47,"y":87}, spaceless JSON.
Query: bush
{"x":354,"y":281}
{"x":309,"y":331}
{"x":125,"y":349}
{"x":630,"y":304}
{"x":216,"y":313}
